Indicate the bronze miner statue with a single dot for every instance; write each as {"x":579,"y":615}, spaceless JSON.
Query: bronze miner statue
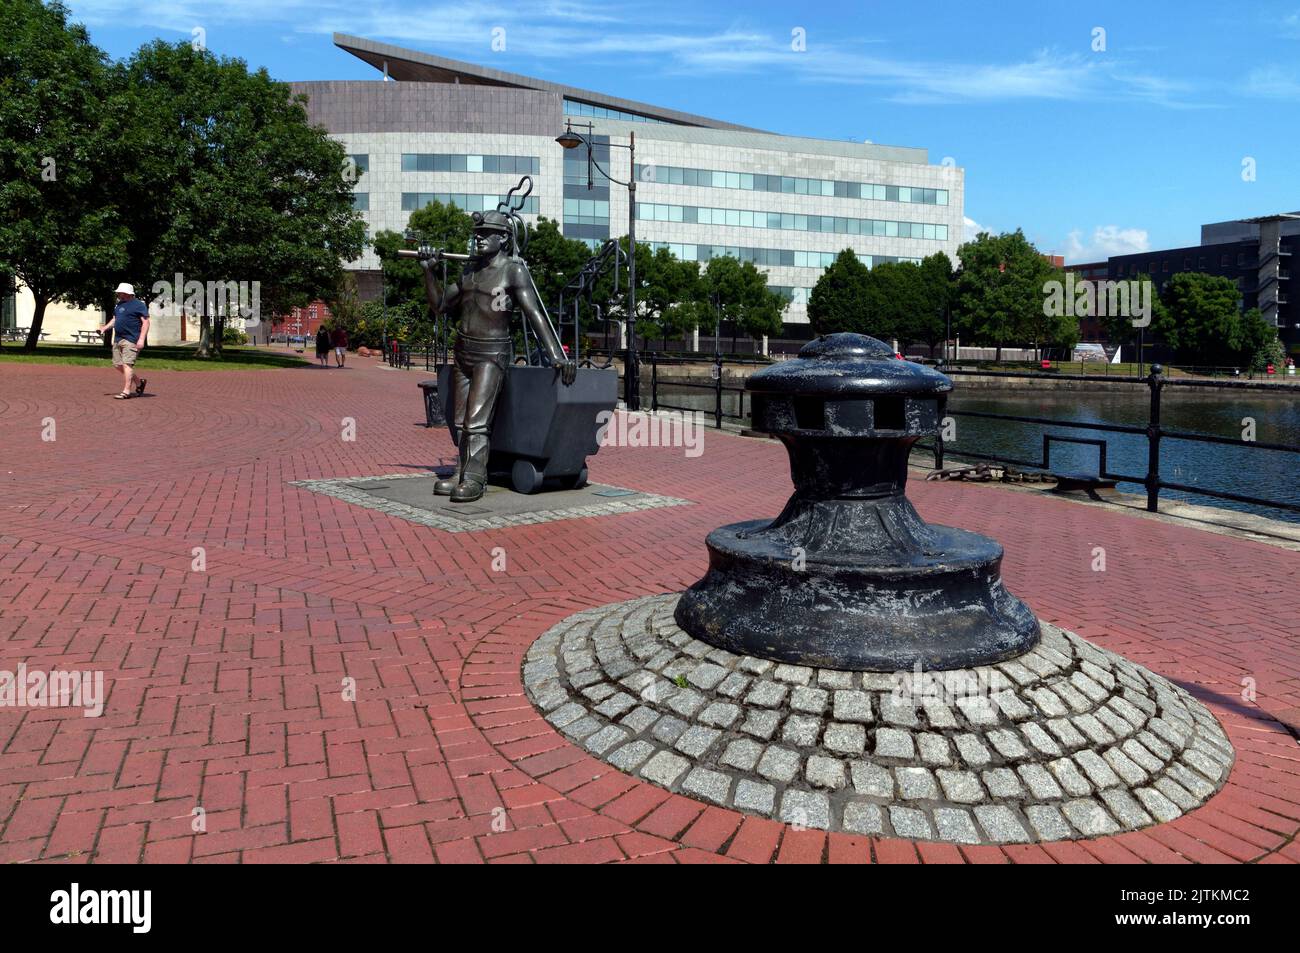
{"x":494,"y":282}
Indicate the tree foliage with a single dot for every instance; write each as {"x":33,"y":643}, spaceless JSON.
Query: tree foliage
{"x":739,"y":294}
{"x":1000,"y":294}
{"x":838,"y":301}
{"x":553,"y":260}
{"x":929,"y":324}
{"x":231,"y":183}
{"x":1202,"y":319}
{"x":1258,"y":344}
{"x":894,"y":300}
{"x":173,"y":162}
{"x":438,"y":225}
{"x":62,"y":142}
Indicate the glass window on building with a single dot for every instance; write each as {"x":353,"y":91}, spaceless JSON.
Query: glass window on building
{"x":361,"y":201}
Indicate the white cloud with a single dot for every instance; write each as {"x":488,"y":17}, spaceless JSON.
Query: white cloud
{"x":562,"y":30}
{"x":1272,"y":82}
{"x":1106,"y":240}
{"x":971,"y":228}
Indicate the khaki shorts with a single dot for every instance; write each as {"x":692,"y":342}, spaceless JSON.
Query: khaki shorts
{"x":125,"y":352}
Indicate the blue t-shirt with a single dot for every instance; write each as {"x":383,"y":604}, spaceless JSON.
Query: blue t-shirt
{"x":128,"y":318}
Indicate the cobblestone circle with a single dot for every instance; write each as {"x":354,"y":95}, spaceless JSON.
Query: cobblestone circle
{"x":1065,"y":742}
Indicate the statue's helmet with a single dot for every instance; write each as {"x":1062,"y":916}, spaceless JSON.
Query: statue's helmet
{"x":491,"y":222}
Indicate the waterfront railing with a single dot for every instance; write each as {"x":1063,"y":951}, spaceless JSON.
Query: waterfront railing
{"x":1153,"y":481}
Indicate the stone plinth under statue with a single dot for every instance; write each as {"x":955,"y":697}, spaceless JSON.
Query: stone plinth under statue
{"x":849,"y":576}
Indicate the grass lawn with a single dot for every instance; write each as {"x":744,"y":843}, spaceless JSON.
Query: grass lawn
{"x":154,"y":358}
{"x":1075,"y":367}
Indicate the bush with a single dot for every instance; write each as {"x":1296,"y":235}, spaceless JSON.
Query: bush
{"x":1271,"y":352}
{"x":233,"y":336}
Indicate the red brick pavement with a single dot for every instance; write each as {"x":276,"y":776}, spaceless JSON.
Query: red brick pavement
{"x":225,"y":685}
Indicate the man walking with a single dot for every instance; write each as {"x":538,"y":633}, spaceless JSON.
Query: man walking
{"x":340,"y":338}
{"x":130,"y":324}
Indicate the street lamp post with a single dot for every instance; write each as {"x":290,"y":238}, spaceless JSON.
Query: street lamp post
{"x":570,"y":139}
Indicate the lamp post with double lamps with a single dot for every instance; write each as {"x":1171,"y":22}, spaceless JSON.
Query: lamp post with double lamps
{"x":570,"y":139}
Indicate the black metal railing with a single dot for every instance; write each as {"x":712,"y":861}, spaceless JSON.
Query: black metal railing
{"x":717,"y":385}
{"x":1067,"y":369}
{"x":1156,"y":382}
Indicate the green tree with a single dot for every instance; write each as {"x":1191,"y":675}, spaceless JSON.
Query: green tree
{"x":402,"y":321}
{"x":1258,"y":343}
{"x":553,"y":260}
{"x":231,"y":183}
{"x":438,"y":225}
{"x":1202,"y":320}
{"x":344,"y":305}
{"x":688,"y":306}
{"x":894,"y":296}
{"x":1050,"y":326}
{"x":838,"y":301}
{"x":674,"y":298}
{"x":1000,"y":289}
{"x":929,"y":323}
{"x":738,"y":292}
{"x":62,"y":146}
{"x":1117,"y":322}
{"x":765,"y":317}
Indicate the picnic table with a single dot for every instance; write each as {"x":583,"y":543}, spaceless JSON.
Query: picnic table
{"x":18,"y":334}
{"x":90,"y":336}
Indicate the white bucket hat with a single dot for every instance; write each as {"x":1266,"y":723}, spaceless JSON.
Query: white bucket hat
{"x":125,"y":289}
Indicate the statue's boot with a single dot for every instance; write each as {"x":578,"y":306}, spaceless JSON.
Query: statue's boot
{"x":447,"y":484}
{"x":473,"y":481}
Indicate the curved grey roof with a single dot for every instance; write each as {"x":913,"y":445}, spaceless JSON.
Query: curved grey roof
{"x":407,"y":65}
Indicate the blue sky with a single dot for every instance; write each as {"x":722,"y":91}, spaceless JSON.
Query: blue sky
{"x":1091,"y":151}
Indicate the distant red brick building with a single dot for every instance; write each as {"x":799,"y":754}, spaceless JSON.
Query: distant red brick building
{"x":1090,"y":327}
{"x":306,"y":320}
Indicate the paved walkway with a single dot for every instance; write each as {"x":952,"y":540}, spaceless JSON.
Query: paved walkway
{"x":225,"y":685}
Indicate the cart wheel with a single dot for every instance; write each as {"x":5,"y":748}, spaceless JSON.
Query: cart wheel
{"x":525,"y":477}
{"x":576,"y":482}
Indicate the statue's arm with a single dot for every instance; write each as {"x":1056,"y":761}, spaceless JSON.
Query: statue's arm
{"x":525,"y":295}
{"x":437,"y":295}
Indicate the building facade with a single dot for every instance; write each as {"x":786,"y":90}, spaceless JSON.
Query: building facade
{"x":299,"y":322}
{"x":462,"y":133}
{"x":1254,"y":253}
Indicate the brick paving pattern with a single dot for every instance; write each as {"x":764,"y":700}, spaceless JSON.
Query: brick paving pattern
{"x":161,"y":541}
